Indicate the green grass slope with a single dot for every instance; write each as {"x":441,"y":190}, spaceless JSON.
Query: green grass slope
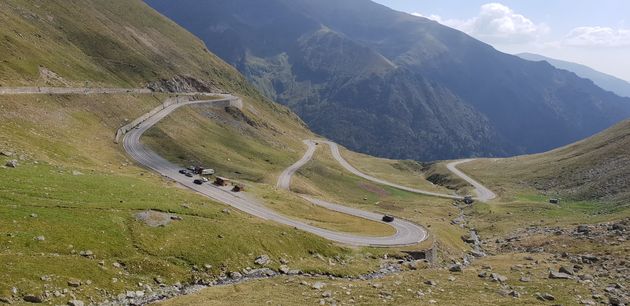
{"x":100,"y":43}
{"x":597,"y":168}
{"x":79,"y":191}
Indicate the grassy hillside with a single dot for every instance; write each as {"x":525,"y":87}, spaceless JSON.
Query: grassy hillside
{"x":100,"y":43}
{"x":597,"y":168}
{"x":75,"y":190}
{"x":409,"y":288}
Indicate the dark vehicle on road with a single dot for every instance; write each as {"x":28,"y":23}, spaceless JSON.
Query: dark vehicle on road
{"x":468,"y":200}
{"x":388,"y":218}
{"x":189,"y":174}
{"x":183,"y":171}
{"x":198,"y":182}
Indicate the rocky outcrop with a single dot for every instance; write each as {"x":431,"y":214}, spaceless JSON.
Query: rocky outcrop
{"x":180,"y":84}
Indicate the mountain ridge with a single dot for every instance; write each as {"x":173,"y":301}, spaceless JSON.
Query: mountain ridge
{"x":605,"y":81}
{"x":446,"y":95}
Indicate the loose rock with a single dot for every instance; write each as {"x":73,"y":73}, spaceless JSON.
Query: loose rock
{"x":262,"y":260}
{"x":498,"y":277}
{"x":318,"y":285}
{"x":75,"y":283}
{"x":75,"y":303}
{"x":455,"y":268}
{"x":31,"y":298}
{"x":558,"y":275}
{"x":545,"y":296}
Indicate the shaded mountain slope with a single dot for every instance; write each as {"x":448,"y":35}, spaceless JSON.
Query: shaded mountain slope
{"x":396,"y":85}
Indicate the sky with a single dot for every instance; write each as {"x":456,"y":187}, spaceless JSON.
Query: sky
{"x":589,"y":32}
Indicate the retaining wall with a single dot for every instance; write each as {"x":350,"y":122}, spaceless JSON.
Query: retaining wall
{"x":227,"y":100}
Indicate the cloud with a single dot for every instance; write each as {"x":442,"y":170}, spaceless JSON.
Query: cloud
{"x":496,"y":23}
{"x":597,"y":37}
{"x":499,"y":23}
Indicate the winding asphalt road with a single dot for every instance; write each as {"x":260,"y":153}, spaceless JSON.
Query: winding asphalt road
{"x":407,"y":233}
{"x":483,"y":194}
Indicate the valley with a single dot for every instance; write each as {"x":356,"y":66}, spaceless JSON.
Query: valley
{"x":108,"y":107}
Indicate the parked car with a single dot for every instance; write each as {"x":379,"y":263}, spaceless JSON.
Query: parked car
{"x":183,"y":171}
{"x":189,"y":174}
{"x":205,"y":180}
{"x":198,"y":182}
{"x":388,"y":218}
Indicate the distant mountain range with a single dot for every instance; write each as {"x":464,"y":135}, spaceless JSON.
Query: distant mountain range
{"x":603,"y":80}
{"x":391,"y":84}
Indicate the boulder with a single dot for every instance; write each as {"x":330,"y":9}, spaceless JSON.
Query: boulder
{"x":545,"y":296}
{"x":468,"y":239}
{"x":7,"y":153}
{"x":32,"y":298}
{"x":455,"y":268}
{"x":558,"y":275}
{"x":567,"y":270}
{"x":75,"y":303}
{"x":588,"y":258}
{"x":236,"y":275}
{"x":318,"y":285}
{"x":616,"y":301}
{"x":12,"y":163}
{"x":262,"y":260}
{"x":284,"y":269}
{"x":583,"y":229}
{"x":498,"y":278}
{"x":548,"y":297}
{"x":75,"y":283}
